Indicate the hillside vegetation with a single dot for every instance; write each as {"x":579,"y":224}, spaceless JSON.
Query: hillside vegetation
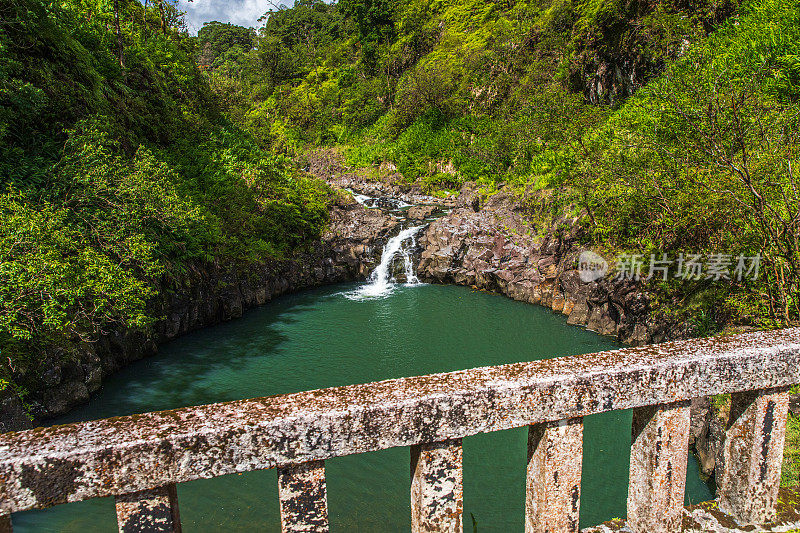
{"x":131,"y":152}
{"x":118,"y":172}
{"x":669,"y":126}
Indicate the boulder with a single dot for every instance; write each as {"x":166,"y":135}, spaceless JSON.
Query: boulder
{"x":13,"y":416}
{"x":421,"y":212}
{"x":61,"y":399}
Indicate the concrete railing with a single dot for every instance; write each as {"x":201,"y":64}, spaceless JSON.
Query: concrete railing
{"x":139,"y":459}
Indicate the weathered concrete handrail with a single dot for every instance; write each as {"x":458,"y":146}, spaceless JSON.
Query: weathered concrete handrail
{"x":140,"y":458}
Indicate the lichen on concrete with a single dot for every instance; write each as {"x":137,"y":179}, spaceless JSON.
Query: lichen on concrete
{"x":437,"y":487}
{"x":659,"y":450}
{"x":752,"y":455}
{"x":707,"y":518}
{"x":149,"y":511}
{"x":555,"y":456}
{"x":303,"y":496}
{"x":48,"y":466}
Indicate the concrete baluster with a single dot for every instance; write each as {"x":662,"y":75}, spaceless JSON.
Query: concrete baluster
{"x":149,"y":511}
{"x":555,"y":455}
{"x":437,"y":487}
{"x":659,"y":451}
{"x":750,"y":472}
{"x":303,"y":497}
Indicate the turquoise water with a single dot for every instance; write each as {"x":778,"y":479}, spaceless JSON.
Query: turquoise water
{"x":322,"y":338}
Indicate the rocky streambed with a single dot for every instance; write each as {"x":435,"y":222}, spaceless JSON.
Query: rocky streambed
{"x":494,"y":245}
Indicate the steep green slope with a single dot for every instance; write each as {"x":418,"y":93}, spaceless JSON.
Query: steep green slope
{"x":702,"y":160}
{"x":117,"y":173}
{"x":471,"y":81}
{"x":670,"y":125}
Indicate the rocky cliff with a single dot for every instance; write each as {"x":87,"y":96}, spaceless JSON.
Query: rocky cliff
{"x":496,"y":247}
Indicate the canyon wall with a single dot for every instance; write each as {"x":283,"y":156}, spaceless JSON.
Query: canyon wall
{"x":209,"y":293}
{"x":497,"y":248}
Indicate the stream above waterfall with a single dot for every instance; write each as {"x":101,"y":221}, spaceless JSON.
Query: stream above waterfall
{"x":321,"y":338}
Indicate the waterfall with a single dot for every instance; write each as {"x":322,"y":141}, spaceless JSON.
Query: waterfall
{"x":373,"y":202}
{"x":381,"y":280}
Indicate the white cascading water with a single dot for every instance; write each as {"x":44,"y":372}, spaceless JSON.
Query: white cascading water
{"x":372,"y":202}
{"x":363,"y":199}
{"x":381,"y":281}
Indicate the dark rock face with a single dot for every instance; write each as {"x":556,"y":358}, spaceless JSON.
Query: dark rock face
{"x":65,"y":396}
{"x":210,"y":294}
{"x":614,"y":81}
{"x":493,"y":248}
{"x":12,"y":415}
{"x":421,"y":212}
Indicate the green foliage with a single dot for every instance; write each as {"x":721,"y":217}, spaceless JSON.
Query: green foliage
{"x":721,"y":402}
{"x":702,"y":160}
{"x":292,"y":40}
{"x":80,"y":258}
{"x":375,"y":70}
{"x":540,"y":96}
{"x":671,"y":129}
{"x":219,"y":42}
{"x":790,"y":471}
{"x":115,"y":180}
{"x":375,"y":18}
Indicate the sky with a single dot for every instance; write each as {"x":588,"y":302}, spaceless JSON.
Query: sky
{"x":239,"y":12}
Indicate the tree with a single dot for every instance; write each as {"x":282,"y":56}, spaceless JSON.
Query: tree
{"x":169,"y":14}
{"x":299,"y":33}
{"x":120,"y":49}
{"x":217,"y":38}
{"x":704,"y":160}
{"x":162,"y":13}
{"x":375,"y":18}
{"x":739,"y":146}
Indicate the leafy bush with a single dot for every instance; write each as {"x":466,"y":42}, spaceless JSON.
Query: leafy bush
{"x":117,"y":175}
{"x":702,"y":159}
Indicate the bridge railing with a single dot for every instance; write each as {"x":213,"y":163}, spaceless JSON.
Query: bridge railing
{"x":139,"y":459}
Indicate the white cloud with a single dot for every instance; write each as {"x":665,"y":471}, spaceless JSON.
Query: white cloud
{"x":239,"y":12}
